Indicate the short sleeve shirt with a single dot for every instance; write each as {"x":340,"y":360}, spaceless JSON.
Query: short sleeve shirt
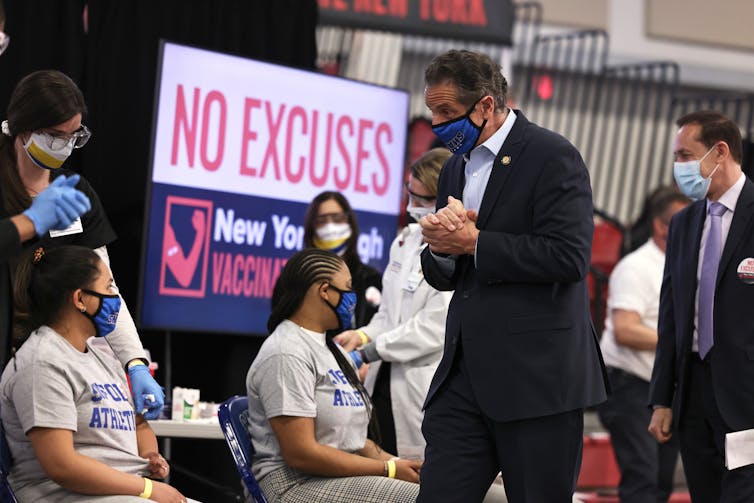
{"x":295,"y":374}
{"x":634,"y":286}
{"x":50,"y":384}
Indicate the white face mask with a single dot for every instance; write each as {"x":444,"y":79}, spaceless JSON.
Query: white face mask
{"x":42,"y":155}
{"x":332,"y":237}
{"x":417,"y":212}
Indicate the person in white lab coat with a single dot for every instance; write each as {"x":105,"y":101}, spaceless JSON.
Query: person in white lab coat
{"x":403,"y":342}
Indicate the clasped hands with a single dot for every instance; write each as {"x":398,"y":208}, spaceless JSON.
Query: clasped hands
{"x":452,"y":230}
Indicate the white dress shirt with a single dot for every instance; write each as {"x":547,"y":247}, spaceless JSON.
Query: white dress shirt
{"x":479,"y":164}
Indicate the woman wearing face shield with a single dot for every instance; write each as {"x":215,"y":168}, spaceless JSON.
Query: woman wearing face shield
{"x":65,"y":404}
{"x":42,"y":128}
{"x":308,"y":411}
{"x":330,"y":224}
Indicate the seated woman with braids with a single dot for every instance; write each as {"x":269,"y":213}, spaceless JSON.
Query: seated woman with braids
{"x":308,"y":411}
{"x":66,"y":409}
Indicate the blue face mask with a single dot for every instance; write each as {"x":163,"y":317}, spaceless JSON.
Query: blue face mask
{"x":106,"y":316}
{"x":345,"y":308}
{"x":461,"y":134}
{"x":688,"y":176}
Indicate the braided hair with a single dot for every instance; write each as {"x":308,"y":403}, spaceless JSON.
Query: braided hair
{"x":304,"y":269}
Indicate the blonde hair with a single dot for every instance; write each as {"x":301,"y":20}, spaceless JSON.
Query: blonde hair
{"x":427,"y":167}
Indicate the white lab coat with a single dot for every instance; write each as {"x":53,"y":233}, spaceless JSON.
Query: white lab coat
{"x":409,"y":332}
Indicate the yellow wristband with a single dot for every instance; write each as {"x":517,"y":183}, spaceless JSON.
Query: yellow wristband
{"x":364,"y":338}
{"x":391,"y":469}
{"x":147,"y":493}
{"x":135,"y":362}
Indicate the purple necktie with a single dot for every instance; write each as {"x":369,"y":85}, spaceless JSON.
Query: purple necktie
{"x":709,"y":277}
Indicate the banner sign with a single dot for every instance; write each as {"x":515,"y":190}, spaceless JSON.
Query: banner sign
{"x":240,"y":149}
{"x":478,"y":20}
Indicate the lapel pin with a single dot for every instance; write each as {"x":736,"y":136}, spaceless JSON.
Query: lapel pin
{"x":506,"y":160}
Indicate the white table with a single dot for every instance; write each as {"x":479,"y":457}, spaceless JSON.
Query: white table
{"x":187,"y":429}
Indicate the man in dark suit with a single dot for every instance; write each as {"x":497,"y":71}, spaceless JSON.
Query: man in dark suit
{"x":512,"y":236}
{"x":703,"y":378}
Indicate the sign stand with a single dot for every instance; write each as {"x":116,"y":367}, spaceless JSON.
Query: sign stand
{"x":168,"y":384}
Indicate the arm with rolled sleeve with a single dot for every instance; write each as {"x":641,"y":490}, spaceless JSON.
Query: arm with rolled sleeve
{"x":420,"y":335}
{"x":379,"y":322}
{"x":124,"y":339}
{"x":558,"y":248}
{"x":149,"y":396}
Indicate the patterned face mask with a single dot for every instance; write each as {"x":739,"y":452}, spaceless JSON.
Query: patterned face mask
{"x":106,"y":315}
{"x":460,"y":134}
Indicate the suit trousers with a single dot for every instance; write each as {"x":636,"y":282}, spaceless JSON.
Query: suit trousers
{"x":539,"y":457}
{"x":646,"y":466}
{"x":701,"y":431}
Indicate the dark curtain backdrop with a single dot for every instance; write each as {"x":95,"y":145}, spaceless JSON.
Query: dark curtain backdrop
{"x":115,"y":65}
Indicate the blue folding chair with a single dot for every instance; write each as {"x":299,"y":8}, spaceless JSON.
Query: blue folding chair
{"x":234,"y":416}
{"x":6,"y":492}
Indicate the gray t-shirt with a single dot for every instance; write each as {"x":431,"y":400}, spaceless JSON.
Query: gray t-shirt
{"x":51,"y":384}
{"x":295,"y":374}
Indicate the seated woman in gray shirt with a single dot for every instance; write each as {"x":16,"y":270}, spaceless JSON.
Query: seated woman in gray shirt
{"x":65,"y":405}
{"x":308,"y":411}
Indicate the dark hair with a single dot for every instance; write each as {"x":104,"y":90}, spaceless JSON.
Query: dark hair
{"x":44,"y":280}
{"x":304,"y":269}
{"x":40,"y":100}
{"x":351,"y":255}
{"x":663,"y":199}
{"x":474,"y":74}
{"x":716,"y":127}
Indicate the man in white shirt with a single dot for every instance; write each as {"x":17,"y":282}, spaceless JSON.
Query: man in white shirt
{"x":628,"y":347}
{"x":703,"y":377}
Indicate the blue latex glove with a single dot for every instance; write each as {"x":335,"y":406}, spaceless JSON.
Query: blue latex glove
{"x":356,"y":357}
{"x":58,"y":205}
{"x":148,"y":395}
{"x":71,"y":204}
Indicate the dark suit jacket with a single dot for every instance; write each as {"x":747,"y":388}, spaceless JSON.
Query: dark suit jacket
{"x":522,"y":313}
{"x":10,"y":246}
{"x":732,"y":357}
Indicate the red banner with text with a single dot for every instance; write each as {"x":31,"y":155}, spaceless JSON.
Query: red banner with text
{"x":479,"y":20}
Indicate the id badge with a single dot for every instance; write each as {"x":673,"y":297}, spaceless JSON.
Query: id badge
{"x":74,"y":228}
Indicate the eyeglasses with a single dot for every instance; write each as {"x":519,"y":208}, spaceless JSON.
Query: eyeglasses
{"x":419,"y":198}
{"x":325,"y":218}
{"x":58,"y":141}
{"x":4,"y":42}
